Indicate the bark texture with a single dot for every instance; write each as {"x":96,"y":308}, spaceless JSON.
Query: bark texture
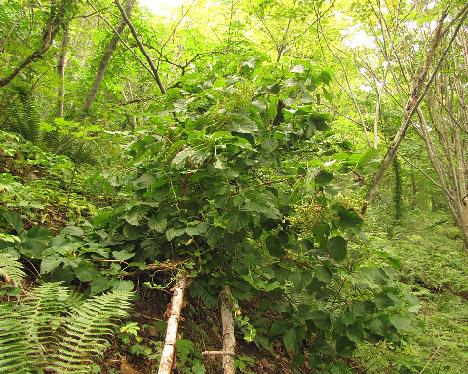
{"x":443,"y":125}
{"x":108,"y":52}
{"x":61,"y":63}
{"x":229,"y":339}
{"x":167,"y":357}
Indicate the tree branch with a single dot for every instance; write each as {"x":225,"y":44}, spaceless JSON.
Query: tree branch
{"x":155,"y":73}
{"x":51,"y":28}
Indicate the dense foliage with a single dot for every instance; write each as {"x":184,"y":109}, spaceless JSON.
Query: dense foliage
{"x":235,"y":150}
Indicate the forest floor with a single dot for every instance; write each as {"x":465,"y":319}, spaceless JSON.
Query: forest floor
{"x":432,"y":265}
{"x":435,"y":267}
{"x":425,"y":249}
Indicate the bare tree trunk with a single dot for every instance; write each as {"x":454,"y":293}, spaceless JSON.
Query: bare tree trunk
{"x":61,"y":70}
{"x":154,"y":70}
{"x":414,"y":189}
{"x":465,"y":223}
{"x":229,"y":339}
{"x":108,"y":52}
{"x":51,"y":28}
{"x":418,"y":91}
{"x":167,"y":357}
{"x":378,"y":105}
{"x":456,"y":202}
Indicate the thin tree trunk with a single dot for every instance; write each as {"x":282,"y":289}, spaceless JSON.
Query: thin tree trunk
{"x":414,"y":189}
{"x":51,"y":28}
{"x":457,"y":203}
{"x":108,"y":52}
{"x":229,"y":339}
{"x":167,"y":357}
{"x":154,"y":70}
{"x":61,"y":71}
{"x":378,"y":105}
{"x":417,"y":93}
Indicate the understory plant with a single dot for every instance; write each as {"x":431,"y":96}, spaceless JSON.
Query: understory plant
{"x":50,"y":327}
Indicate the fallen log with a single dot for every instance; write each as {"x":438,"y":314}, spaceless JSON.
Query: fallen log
{"x":167,"y":358}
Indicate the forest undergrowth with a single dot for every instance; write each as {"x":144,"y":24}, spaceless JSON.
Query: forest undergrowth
{"x":233,"y":186}
{"x":427,"y":251}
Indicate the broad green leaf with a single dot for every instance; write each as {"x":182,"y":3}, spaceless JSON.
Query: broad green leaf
{"x":73,"y":231}
{"x":337,"y":248}
{"x":376,"y":275}
{"x":35,"y":241}
{"x":383,"y":301}
{"x":157,"y":223}
{"x":344,"y":346}
{"x":198,"y":229}
{"x":122,"y":255}
{"x":349,"y":218}
{"x":240,"y":122}
{"x":48,"y":264}
{"x":377,"y":326}
{"x":130,"y":231}
{"x":237,"y":221}
{"x":100,"y":284}
{"x":274,"y":246}
{"x":323,"y":178}
{"x":133,"y":216}
{"x":400,"y":322}
{"x":143,"y":181}
{"x":14,"y":220}
{"x":293,"y":338}
{"x":123,"y":285}
{"x":340,"y":367}
{"x":278,"y":327}
{"x":62,"y":274}
{"x":355,"y":332}
{"x":85,"y":272}
{"x":323,"y":273}
{"x":261,"y":203}
{"x":362,"y":308}
{"x":321,"y":319}
{"x":269,"y":144}
{"x":260,"y":105}
{"x":325,"y":77}
{"x":368,"y":156}
{"x":194,"y":156}
{"x":174,"y":233}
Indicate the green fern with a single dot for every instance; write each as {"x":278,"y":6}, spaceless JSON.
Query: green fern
{"x":49,"y":329}
{"x":15,"y":355}
{"x":42,"y":310}
{"x":86,"y":329}
{"x":11,"y":269}
{"x":21,"y":114}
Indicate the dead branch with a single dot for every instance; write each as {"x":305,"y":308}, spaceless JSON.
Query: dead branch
{"x":218,"y":353}
{"x":167,"y":357}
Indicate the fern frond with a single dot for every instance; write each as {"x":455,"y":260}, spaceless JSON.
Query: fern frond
{"x":31,"y":130}
{"x":11,"y":270}
{"x":86,"y":329}
{"x":42,"y":310}
{"x":16,"y":355}
{"x":20,"y":113}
